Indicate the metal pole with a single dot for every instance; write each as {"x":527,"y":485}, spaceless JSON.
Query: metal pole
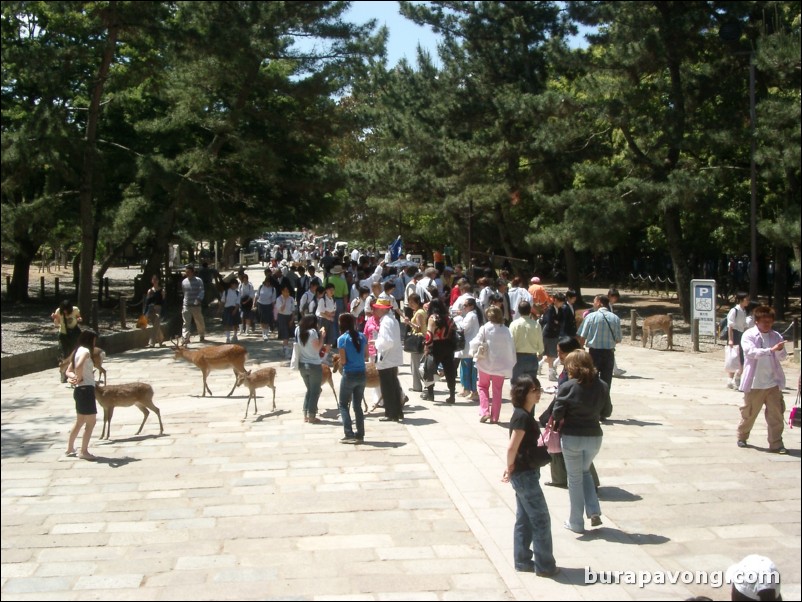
{"x":753,"y":267}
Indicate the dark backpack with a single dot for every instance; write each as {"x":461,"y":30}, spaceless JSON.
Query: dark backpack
{"x":722,"y":329}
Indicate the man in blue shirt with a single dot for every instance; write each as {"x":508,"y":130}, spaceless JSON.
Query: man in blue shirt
{"x":600,"y":331}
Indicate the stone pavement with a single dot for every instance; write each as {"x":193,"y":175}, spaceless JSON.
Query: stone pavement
{"x":272,"y":508}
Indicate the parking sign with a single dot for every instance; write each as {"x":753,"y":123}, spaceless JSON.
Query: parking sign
{"x":703,"y":305}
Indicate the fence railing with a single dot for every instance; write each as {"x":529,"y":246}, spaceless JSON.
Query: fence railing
{"x":653,"y":285}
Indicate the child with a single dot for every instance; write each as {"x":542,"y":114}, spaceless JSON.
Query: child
{"x":80,"y":373}
{"x":285,"y":315}
{"x":231,"y":309}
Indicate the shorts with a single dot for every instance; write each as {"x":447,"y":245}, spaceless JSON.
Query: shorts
{"x":84,"y":397}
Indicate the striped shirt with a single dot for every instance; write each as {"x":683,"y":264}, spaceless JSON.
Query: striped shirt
{"x":193,"y":291}
{"x":601,"y":329}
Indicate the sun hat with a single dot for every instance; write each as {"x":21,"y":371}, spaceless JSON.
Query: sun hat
{"x":382,"y":304}
{"x":337,"y":269}
{"x":535,"y":280}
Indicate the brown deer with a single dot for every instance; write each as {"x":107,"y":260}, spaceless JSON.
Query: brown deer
{"x":371,"y":375}
{"x":264,"y":377}
{"x":327,"y":379}
{"x":98,"y":355}
{"x":125,"y":396}
{"x":213,"y":357}
{"x":658,"y":323}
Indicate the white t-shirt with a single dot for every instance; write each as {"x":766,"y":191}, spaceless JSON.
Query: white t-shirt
{"x":87,"y":375}
{"x":764,"y":373}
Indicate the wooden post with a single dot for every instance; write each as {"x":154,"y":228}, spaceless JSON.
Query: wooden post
{"x":8,"y":284}
{"x":123,"y":304}
{"x":695,"y":334}
{"x":94,"y":315}
{"x":100,"y":290}
{"x":795,"y":331}
{"x":57,"y":288}
{"x":41,"y":287}
{"x":633,"y":325}
{"x":106,"y":286}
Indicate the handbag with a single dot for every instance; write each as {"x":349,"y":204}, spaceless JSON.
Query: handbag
{"x":457,"y":337}
{"x":428,"y":368}
{"x":732,"y":359}
{"x":413,"y":343}
{"x":795,"y":416}
{"x":538,"y":456}
{"x":551,"y":438}
{"x":481,"y":350}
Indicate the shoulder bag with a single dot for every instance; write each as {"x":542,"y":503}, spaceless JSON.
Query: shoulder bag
{"x":551,"y":437}
{"x":481,"y":350}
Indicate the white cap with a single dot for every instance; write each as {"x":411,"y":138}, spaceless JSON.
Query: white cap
{"x":755,"y":575}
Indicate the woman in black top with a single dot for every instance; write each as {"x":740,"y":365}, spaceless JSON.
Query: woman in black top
{"x":532,"y":520}
{"x":581,"y":402}
{"x":154,"y":300}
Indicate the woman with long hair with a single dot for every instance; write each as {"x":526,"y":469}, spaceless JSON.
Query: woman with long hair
{"x":80,"y":374}
{"x":470,"y":320}
{"x":495,"y":364}
{"x":440,"y":346}
{"x":310,"y":340}
{"x":154,"y":300}
{"x":353,"y":349}
{"x":67,"y":318}
{"x":532,"y":532}
{"x":581,"y":403}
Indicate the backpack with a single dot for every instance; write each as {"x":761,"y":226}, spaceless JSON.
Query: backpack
{"x":457,"y":337}
{"x":722,"y":329}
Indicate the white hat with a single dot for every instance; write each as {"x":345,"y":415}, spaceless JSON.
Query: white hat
{"x":535,"y":280}
{"x":337,"y":269}
{"x":756,"y":578}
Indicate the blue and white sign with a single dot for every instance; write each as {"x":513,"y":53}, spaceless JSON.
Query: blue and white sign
{"x":703,"y":305}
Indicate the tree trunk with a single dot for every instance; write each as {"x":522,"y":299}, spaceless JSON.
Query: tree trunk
{"x":115,"y":253}
{"x":682,"y":275}
{"x":20,"y":278}
{"x":503,"y":230}
{"x":87,"y":201}
{"x":780,"y":289}
{"x":76,"y":269}
{"x":572,"y":272}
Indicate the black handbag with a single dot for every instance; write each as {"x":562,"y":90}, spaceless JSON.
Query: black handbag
{"x":413,"y":343}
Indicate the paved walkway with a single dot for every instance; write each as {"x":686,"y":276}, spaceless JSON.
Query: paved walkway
{"x":269,"y":507}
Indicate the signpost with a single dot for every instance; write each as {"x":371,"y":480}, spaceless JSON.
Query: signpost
{"x":703,"y":306}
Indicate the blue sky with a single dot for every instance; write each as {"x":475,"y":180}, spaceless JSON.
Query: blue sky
{"x":404,"y":34}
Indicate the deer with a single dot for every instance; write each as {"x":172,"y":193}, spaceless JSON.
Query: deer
{"x":371,"y":375}
{"x":657,"y":323}
{"x":98,"y":355}
{"x":213,"y":357}
{"x":264,"y":377}
{"x":328,"y":379}
{"x":125,"y":396}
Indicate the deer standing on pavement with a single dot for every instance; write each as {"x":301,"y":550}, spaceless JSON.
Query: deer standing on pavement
{"x":658,"y":323}
{"x":213,"y":357}
{"x":125,"y":396}
{"x":264,"y":377}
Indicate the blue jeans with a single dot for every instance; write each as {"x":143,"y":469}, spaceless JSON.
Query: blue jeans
{"x":578,"y":453}
{"x":313,"y":378}
{"x":532,"y":524}
{"x":352,"y":385}
{"x":468,"y":374}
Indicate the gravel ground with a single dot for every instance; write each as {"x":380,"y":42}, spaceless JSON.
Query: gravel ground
{"x":28,"y":327}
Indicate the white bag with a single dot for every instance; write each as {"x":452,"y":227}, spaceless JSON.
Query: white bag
{"x":732,"y":359}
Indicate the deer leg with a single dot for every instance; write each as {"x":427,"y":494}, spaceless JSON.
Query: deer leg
{"x":146,"y":412}
{"x":255,"y":409}
{"x":205,"y":386}
{"x":159,"y":416}
{"x":274,"y":398}
{"x":107,"y":414}
{"x":248,"y":404}
{"x":236,"y":374}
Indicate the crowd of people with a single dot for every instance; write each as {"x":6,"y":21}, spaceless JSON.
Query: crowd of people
{"x":485,"y":333}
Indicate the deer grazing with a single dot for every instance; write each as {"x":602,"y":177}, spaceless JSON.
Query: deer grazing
{"x":658,"y":323}
{"x":124,"y":396}
{"x":264,"y":377}
{"x":98,"y":356}
{"x":213,"y":357}
{"x":371,"y":375}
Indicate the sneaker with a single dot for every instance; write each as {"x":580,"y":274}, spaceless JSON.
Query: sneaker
{"x":567,"y":525}
{"x":741,"y":443}
{"x":474,"y":397}
{"x":552,"y":573}
{"x":595,"y":521}
{"x":313,"y":420}
{"x":619,"y":372}
{"x":264,"y":337}
{"x":780,"y":450}
{"x":350,"y":440}
{"x":359,"y":440}
{"x":529,"y":568}
{"x":731,"y":383}
{"x":553,"y":375}
{"x":484,"y":418}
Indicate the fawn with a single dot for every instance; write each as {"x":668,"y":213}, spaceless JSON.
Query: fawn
{"x":657,"y":323}
{"x":264,"y":377}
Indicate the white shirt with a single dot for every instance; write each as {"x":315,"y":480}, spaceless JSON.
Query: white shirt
{"x":456,"y":307}
{"x":246,"y":290}
{"x":230,"y":297}
{"x":87,"y":375}
{"x":325,"y":305}
{"x":389,"y":351}
{"x":470,"y":327}
{"x":266,"y":294}
{"x":501,"y":356}
{"x":285,"y":306}
{"x":516,"y":295}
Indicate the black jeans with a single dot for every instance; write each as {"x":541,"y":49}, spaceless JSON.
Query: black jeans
{"x":391,"y":393}
{"x":443,"y":352}
{"x":604,"y":360}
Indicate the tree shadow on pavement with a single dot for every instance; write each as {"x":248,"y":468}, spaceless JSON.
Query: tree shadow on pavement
{"x":616,"y":494}
{"x":15,"y":445}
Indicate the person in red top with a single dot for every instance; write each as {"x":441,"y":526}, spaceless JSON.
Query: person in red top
{"x":439,"y":261}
